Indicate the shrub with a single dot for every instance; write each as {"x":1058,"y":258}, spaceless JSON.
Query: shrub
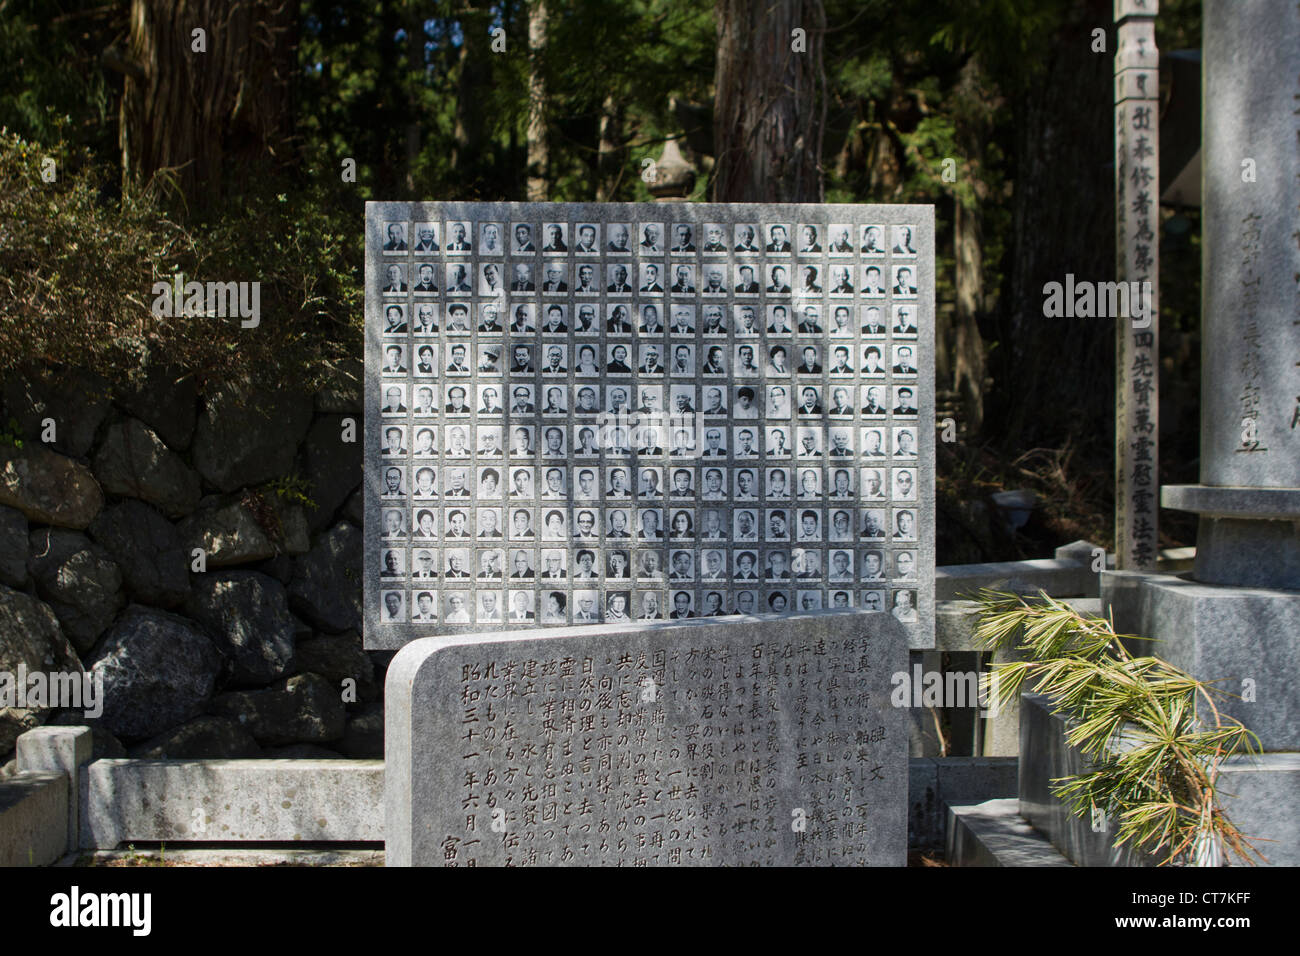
{"x":77,"y":276}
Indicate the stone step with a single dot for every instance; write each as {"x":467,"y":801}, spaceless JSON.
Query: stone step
{"x":1257,"y":791}
{"x":993,"y":833}
{"x":33,"y":818}
{"x":1044,"y":757}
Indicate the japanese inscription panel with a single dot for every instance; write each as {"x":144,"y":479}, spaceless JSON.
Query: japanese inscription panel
{"x":742,"y":742}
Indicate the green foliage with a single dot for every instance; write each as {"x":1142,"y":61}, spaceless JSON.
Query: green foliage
{"x":50,"y":70}
{"x":293,"y":489}
{"x":77,"y":275}
{"x":1153,"y":736}
{"x":11,"y":434}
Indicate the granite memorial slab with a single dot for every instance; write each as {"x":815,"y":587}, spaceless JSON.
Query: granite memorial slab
{"x":746,"y":741}
{"x":600,"y":413}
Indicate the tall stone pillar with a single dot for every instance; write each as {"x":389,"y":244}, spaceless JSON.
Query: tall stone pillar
{"x":1137,"y":261}
{"x":1249,"y":495}
{"x":1236,"y":617}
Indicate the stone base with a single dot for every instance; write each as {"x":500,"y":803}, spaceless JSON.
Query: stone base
{"x":1045,"y":756}
{"x":33,"y":819}
{"x":1248,"y":553}
{"x":1247,"y":638}
{"x":993,"y":833}
{"x":935,"y":785}
{"x":1247,"y":537}
{"x":1260,"y":794}
{"x":231,"y":801}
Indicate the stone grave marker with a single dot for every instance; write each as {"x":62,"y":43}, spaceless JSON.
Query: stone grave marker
{"x":742,"y":741}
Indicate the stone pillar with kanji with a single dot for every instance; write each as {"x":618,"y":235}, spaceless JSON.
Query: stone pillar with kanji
{"x":1137,"y":333}
{"x":1235,"y":619}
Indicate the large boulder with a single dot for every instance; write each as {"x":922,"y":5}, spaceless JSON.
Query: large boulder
{"x":76,"y":400}
{"x":363,"y":738}
{"x":13,"y":547}
{"x":146,"y":546}
{"x":339,"y":657}
{"x":133,"y":461}
{"x":80,"y":581}
{"x":167,"y":400}
{"x":29,"y":636}
{"x":292,"y":532}
{"x":305,"y":709}
{"x":228,"y":532}
{"x":159,"y":671}
{"x":332,"y":465}
{"x":247,"y":616}
{"x":325,"y":589}
{"x":248,"y":436}
{"x":47,"y":487}
{"x":206,"y":738}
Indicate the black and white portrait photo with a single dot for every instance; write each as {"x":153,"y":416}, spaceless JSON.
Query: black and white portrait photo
{"x":584,"y":419}
{"x":394,"y":237}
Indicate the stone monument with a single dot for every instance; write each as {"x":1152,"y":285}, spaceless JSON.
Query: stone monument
{"x":1237,"y":616}
{"x":1137,"y":261}
{"x":602,"y":413}
{"x":746,"y":741}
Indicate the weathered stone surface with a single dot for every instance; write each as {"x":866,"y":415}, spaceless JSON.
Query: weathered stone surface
{"x":326,"y":585}
{"x":1046,"y":757}
{"x":303,"y":709}
{"x":47,"y":487}
{"x":76,"y":400}
{"x":1248,"y":373}
{"x":80,"y":581}
{"x":364,"y":735}
{"x":159,"y":671}
{"x":203,"y":737}
{"x":1228,"y":552}
{"x":292,"y":532}
{"x":245,"y":437}
{"x":167,"y":401}
{"x":227,"y":532}
{"x":133,"y":461}
{"x":13,"y":547}
{"x":338,"y":657}
{"x":29,"y":636}
{"x":146,"y":546}
{"x":33,"y":819}
{"x":787,"y":790}
{"x":993,"y":833}
{"x":1242,"y":637}
{"x":246,"y":615}
{"x":250,"y":801}
{"x":64,"y":751}
{"x":333,"y":466}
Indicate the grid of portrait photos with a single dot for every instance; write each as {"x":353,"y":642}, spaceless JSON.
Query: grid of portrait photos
{"x":684,"y":413}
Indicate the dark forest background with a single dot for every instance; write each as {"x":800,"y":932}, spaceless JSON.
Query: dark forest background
{"x":231,"y":163}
